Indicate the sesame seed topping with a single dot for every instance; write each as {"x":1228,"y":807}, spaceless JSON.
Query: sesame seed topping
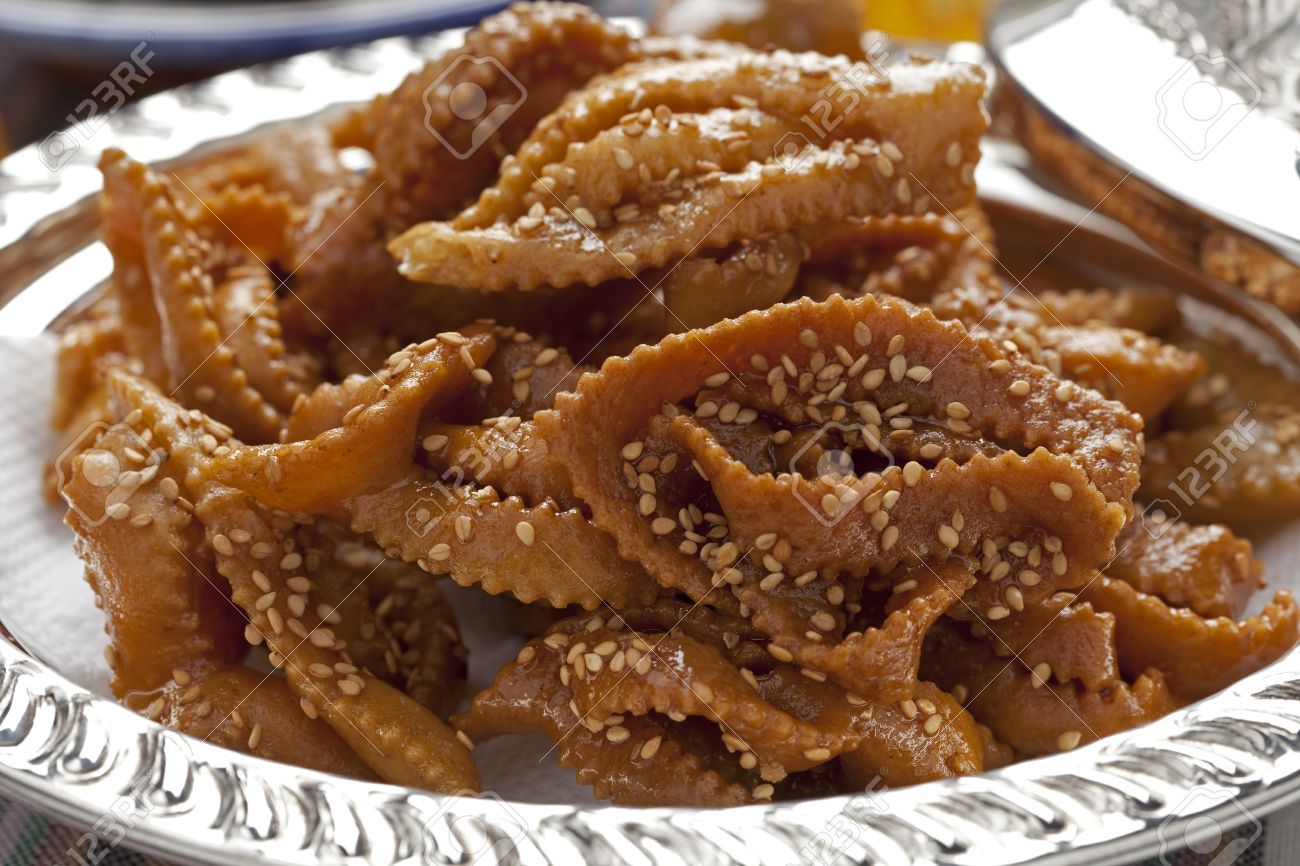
{"x":997,"y":499}
{"x":524,"y":530}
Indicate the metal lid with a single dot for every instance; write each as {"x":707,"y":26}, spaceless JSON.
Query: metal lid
{"x":1182,"y":119}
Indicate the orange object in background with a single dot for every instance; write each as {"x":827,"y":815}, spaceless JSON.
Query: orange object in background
{"x":946,"y":20}
{"x":828,"y":26}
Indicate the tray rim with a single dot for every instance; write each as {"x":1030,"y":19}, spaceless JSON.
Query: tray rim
{"x":71,"y":754}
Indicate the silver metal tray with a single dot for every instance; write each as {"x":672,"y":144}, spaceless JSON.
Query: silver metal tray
{"x":1220,"y":763}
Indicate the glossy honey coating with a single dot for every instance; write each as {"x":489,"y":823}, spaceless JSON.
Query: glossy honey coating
{"x":806,"y":493}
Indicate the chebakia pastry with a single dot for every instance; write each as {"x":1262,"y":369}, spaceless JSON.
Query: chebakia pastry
{"x":803,"y":493}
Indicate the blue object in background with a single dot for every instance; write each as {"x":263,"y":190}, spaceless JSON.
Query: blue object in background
{"x":220,"y":34}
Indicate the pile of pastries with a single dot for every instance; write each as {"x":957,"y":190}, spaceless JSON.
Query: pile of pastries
{"x":790,"y":488}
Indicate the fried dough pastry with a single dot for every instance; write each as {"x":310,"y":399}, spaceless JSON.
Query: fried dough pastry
{"x":592,"y":679}
{"x":901,"y":359}
{"x":1198,"y":656}
{"x":797,"y":25}
{"x":795,"y":492}
{"x":1150,"y":311}
{"x":363,"y":472}
{"x":1205,"y":568}
{"x":267,"y":560}
{"x":172,"y":285}
{"x":692,"y":171}
{"x":176,"y":638}
{"x":1032,"y":716}
{"x":1246,"y":470}
{"x":1144,"y":373}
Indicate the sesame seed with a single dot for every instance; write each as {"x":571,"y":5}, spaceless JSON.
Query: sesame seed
{"x":997,"y":612}
{"x":1041,"y":673}
{"x":1062,"y":491}
{"x":818,"y":754}
{"x":997,"y":499}
{"x":763,"y":791}
{"x":948,"y":536}
{"x":780,"y":653}
{"x":897,"y":368}
{"x":1015,"y":598}
{"x":932,"y":725}
{"x":1068,"y":740}
{"x":1019,"y":388}
{"x":912,"y":473}
{"x":919,"y":373}
{"x":524,"y":530}
{"x":222,"y":545}
{"x":663,"y":525}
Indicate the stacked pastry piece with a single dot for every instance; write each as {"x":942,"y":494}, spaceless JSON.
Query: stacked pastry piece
{"x":737,"y":400}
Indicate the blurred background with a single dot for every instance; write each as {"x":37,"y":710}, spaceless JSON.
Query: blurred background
{"x":53,"y":53}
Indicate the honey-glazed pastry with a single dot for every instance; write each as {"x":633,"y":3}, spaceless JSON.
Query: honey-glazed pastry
{"x":796,"y":489}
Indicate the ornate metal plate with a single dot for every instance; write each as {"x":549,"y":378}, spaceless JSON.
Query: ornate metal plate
{"x":90,"y":762}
